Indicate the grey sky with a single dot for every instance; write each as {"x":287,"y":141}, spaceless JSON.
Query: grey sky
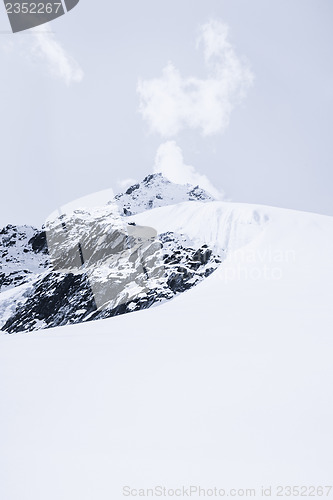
{"x":71,"y":130}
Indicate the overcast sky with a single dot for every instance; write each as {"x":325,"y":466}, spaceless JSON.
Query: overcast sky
{"x":233,"y":94}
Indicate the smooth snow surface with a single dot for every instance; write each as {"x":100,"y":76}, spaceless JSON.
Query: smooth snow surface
{"x":227,"y":385}
{"x":222,"y":226}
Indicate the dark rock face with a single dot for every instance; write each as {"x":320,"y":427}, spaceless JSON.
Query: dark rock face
{"x":186,"y":266}
{"x":132,"y":188}
{"x":39,"y":242}
{"x":14,"y":279}
{"x":23,"y":253}
{"x":57,"y":299}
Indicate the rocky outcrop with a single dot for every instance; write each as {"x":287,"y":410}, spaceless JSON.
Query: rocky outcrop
{"x":156,"y":191}
{"x":23,"y":254}
{"x":94,"y":263}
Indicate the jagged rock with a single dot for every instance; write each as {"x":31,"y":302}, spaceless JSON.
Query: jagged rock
{"x":23,"y":254}
{"x":38,"y":242}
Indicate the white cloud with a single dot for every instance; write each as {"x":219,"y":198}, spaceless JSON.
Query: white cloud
{"x":170,"y":162}
{"x":46,"y":48}
{"x":172,"y":103}
{"x":126,"y":183}
{"x":214,"y":38}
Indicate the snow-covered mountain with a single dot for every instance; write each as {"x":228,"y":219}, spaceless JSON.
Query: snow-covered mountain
{"x":93,"y":263}
{"x":229,"y":386}
{"x":157,"y":191}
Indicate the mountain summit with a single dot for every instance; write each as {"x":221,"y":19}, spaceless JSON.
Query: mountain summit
{"x":157,"y":191}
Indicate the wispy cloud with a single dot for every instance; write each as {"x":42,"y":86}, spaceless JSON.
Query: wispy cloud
{"x":126,"y":183}
{"x":42,"y":49}
{"x":170,"y":162}
{"x":172,"y":102}
{"x":48,"y":50}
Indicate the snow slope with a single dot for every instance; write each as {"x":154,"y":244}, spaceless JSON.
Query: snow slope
{"x":221,"y":225}
{"x":227,"y":385}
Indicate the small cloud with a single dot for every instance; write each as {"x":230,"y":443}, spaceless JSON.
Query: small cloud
{"x":214,"y":38}
{"x":60,"y":64}
{"x":171,"y":102}
{"x":170,"y":162}
{"x":126,"y":183}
